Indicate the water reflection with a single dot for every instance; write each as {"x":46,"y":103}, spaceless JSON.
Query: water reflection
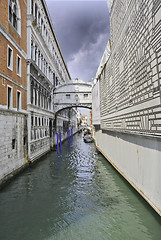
{"x":74,"y":195}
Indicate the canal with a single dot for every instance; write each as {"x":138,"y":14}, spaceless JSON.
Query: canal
{"x":76,"y":195}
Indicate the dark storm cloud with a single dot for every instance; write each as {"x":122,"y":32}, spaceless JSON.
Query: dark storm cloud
{"x":82,"y":29}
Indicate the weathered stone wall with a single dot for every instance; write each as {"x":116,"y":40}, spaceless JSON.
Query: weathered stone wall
{"x":130,"y":82}
{"x":13,"y":141}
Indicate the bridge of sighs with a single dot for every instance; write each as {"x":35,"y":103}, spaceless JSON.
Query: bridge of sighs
{"x":76,"y":93}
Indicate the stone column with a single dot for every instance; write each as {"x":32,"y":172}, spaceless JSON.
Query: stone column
{"x":28,"y":84}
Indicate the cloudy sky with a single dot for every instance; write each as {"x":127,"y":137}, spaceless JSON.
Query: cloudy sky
{"x":82,"y":30}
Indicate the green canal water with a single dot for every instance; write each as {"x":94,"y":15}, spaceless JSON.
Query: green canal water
{"x":74,"y":196}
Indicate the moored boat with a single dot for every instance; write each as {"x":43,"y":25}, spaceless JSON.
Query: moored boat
{"x":88,"y":139}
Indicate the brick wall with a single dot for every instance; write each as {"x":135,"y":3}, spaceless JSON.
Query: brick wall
{"x":21,"y":40}
{"x":10,"y":37}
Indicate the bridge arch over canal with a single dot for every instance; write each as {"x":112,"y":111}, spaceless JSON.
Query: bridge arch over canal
{"x":76,"y":93}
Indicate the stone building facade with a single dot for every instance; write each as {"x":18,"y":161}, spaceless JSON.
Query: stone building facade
{"x":129,"y":133}
{"x":13,"y":85}
{"x":131,"y":78}
{"x":31,"y":67}
{"x":46,"y":69}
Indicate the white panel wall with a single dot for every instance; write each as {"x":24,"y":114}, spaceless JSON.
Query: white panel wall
{"x":138,"y":159}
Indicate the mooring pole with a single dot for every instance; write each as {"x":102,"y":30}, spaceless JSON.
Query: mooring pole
{"x":60,"y":141}
{"x":68,"y":135}
{"x":57,"y":142}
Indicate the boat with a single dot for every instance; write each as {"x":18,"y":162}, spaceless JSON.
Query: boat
{"x":88,"y":139}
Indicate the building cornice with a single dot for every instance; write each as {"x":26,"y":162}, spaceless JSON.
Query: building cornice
{"x":53,"y":32}
{"x":13,"y":81}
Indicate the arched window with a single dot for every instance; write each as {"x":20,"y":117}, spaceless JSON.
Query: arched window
{"x":15,"y":15}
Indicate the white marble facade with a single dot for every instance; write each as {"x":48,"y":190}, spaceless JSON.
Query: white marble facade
{"x":46,"y":69}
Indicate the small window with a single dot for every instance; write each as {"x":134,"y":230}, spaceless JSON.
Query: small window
{"x":32,"y":7}
{"x":85,"y":95}
{"x":18,"y":100}
{"x":35,"y":121}
{"x":15,"y":16}
{"x":35,"y":97}
{"x":35,"y":53}
{"x":57,"y":82}
{"x":13,"y":143}
{"x":18,"y":65}
{"x":54,"y":79}
{"x":41,"y":25}
{"x":38,"y":134}
{"x":39,"y":19}
{"x":39,"y":122}
{"x":10,"y":58}
{"x":44,"y":30}
{"x":10,"y":11}
{"x":24,"y":141}
{"x":9,"y":97}
{"x":32,"y":121}
{"x":67,"y":96}
{"x":34,"y":134}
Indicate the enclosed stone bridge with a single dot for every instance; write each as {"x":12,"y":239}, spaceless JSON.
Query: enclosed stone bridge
{"x":76,"y":93}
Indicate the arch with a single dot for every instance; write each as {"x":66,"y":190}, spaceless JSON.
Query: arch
{"x":71,"y":106}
